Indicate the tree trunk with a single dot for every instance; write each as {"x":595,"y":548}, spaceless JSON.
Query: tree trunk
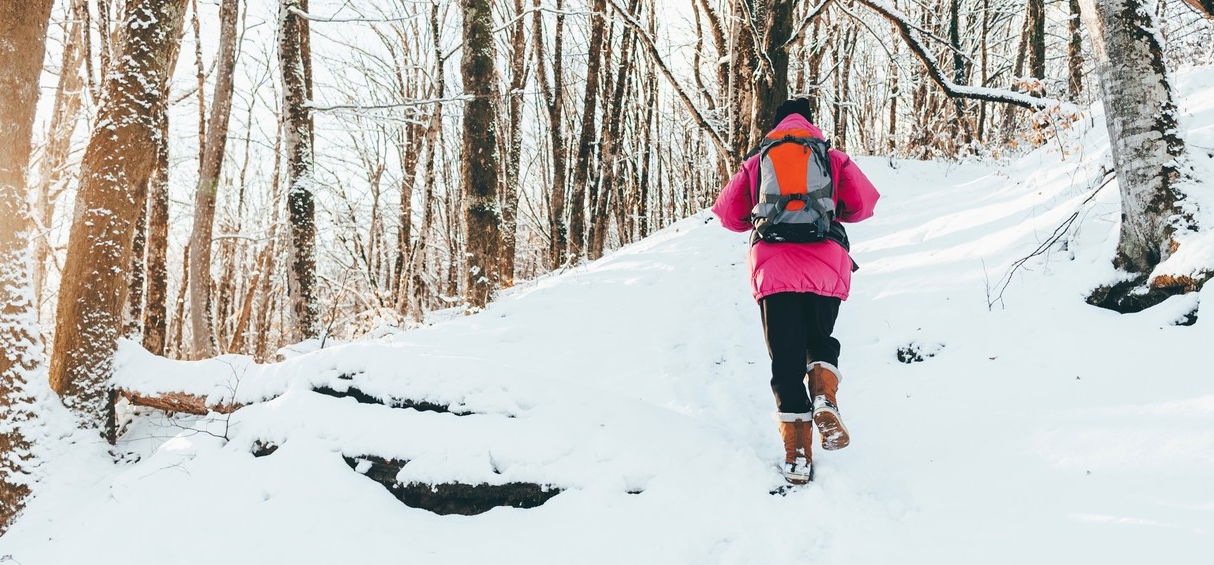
{"x":514,"y":140}
{"x":155,"y":310}
{"x":1074,"y":53}
{"x":68,"y":96}
{"x":295,"y":63}
{"x":138,"y":270}
{"x":1141,"y":118}
{"x":774,"y":19}
{"x":554,"y":103}
{"x":479,"y":161}
{"x":1036,"y":41}
{"x":202,"y":332}
{"x":23,"y":29}
{"x":119,"y":159}
{"x":581,"y":169}
{"x":740,"y":92}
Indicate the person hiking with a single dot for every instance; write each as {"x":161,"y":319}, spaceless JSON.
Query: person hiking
{"x":792,"y":193}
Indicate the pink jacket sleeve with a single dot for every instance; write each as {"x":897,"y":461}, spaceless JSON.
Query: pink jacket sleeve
{"x":857,"y":195}
{"x":735,"y":202}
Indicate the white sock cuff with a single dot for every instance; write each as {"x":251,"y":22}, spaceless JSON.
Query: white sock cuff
{"x":829,"y":367}
{"x":794,"y":416}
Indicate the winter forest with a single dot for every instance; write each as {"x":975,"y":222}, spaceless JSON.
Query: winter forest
{"x":217,"y":217}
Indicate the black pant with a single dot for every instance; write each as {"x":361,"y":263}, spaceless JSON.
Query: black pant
{"x":797,"y":326}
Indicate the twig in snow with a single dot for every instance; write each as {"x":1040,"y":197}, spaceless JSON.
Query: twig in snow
{"x":1059,"y":232}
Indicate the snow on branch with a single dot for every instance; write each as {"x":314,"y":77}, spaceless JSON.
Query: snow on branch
{"x":643,"y":34}
{"x":808,"y":19}
{"x":406,"y":104}
{"x":954,"y":90}
{"x":361,"y":20}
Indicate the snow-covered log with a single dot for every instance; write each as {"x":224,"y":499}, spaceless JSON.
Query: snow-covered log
{"x":183,"y":402}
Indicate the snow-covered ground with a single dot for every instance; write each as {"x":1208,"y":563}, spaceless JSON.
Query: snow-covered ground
{"x":1041,"y":429}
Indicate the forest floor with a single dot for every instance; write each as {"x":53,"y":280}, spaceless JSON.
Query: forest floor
{"x":1037,"y":428}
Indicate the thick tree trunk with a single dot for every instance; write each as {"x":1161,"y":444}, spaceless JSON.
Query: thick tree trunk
{"x":22,"y":45}
{"x":740,"y":92}
{"x":119,"y":159}
{"x":479,"y":162}
{"x":585,"y":148}
{"x":1141,"y":118}
{"x":156,"y":259}
{"x":294,"y":63}
{"x":202,"y":332}
{"x":774,"y":20}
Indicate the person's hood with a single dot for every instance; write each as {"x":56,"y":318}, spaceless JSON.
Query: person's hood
{"x":798,"y":122}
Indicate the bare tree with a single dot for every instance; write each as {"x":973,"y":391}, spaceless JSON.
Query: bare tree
{"x":585,"y":144}
{"x":294,"y":62}
{"x":64,"y":115}
{"x":479,"y":162}
{"x":155,"y":311}
{"x":553,"y":93}
{"x":202,"y":333}
{"x":1074,"y":52}
{"x":119,"y":159}
{"x":23,"y":29}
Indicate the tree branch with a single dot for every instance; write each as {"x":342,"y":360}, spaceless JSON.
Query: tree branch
{"x":905,"y":28}
{"x":701,"y":121}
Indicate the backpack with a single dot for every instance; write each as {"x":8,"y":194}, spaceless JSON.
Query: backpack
{"x":795,"y":193}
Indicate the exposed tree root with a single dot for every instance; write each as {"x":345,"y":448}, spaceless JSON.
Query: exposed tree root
{"x":1136,"y":295}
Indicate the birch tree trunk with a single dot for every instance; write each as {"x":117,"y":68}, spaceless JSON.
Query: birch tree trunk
{"x":22,"y":45}
{"x":202,"y":332}
{"x":479,"y":162}
{"x":294,"y":63}
{"x":1141,"y":118}
{"x":119,"y":159}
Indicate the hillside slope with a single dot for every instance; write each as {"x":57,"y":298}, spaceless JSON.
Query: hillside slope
{"x":1036,"y":428}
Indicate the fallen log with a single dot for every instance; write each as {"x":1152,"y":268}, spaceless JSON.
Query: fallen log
{"x":178,"y":402}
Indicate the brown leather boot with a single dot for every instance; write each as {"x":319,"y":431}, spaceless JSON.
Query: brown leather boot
{"x":823,"y":386}
{"x":798,"y":434}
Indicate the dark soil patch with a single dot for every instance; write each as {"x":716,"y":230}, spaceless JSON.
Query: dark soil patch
{"x":364,"y":398}
{"x":452,"y":498}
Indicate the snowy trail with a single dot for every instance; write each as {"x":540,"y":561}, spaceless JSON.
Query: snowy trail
{"x":1041,"y":429}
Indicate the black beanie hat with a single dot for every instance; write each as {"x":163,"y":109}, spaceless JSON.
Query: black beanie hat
{"x":790,"y":107}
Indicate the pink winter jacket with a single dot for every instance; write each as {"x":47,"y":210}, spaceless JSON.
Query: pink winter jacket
{"x":821,"y":268}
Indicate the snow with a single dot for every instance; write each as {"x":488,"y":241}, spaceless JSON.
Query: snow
{"x":1040,"y":428}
